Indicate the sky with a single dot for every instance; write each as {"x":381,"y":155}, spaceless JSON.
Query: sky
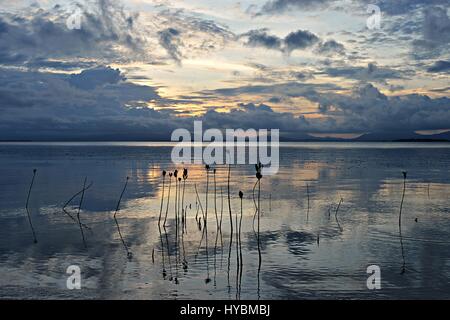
{"x":137,"y":70}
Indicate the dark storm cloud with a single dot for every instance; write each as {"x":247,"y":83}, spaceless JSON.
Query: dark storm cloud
{"x":93,"y":78}
{"x":280,"y":6}
{"x":296,"y":40}
{"x":330,"y":48}
{"x":437,"y":25}
{"x":38,"y":35}
{"x":391,"y":7}
{"x":366,"y":109}
{"x":435,"y":30}
{"x":94,"y":103}
{"x":169,"y":39}
{"x":440,"y":66}
{"x":399,"y":7}
{"x":260,"y":38}
{"x":300,"y":39}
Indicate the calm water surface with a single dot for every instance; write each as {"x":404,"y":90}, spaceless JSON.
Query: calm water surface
{"x":307,"y":251}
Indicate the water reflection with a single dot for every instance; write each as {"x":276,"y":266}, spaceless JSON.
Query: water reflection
{"x":295,"y":250}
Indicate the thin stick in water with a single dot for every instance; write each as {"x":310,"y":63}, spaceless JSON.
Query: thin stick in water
{"x":129,"y":254}
{"x":26,"y":207}
{"x":79,"y":211}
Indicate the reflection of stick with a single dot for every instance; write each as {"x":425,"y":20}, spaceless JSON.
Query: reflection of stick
{"x":26,"y":206}
{"x":270,"y":202}
{"x":199,"y":202}
{"x":78,"y":213}
{"x":336,"y":214}
{"x":215,"y":200}
{"x":256,"y":206}
{"x":168,"y":198}
{"x":400,"y":223}
{"x":206,"y":199}
{"x":307,"y":193}
{"x":129,"y":254}
{"x":164,"y":272}
{"x":339,"y":205}
{"x":229,"y":201}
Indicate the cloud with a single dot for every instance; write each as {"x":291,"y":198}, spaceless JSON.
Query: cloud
{"x":299,"y":39}
{"x":94,"y":103}
{"x":436,"y":27}
{"x":440,"y":66}
{"x":400,"y":7}
{"x":280,"y":6}
{"x":92,"y":78}
{"x":36,"y":35}
{"x":372,"y":72}
{"x":260,"y":38}
{"x":366,"y":109}
{"x":169,"y":39}
{"x":40,"y":38}
{"x":330,"y":48}
{"x":369,"y":110}
{"x":435,"y":34}
{"x":390,"y":7}
{"x":188,"y":36}
{"x":296,"y":40}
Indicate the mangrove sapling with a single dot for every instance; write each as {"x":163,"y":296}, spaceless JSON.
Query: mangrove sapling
{"x":241,"y":264}
{"x":178,"y":220}
{"x":400,"y":224}
{"x":179,"y":201}
{"x":237,"y":245}
{"x":229,"y":202}
{"x":231,"y":227}
{"x":162,"y":196}
{"x":179,"y":214}
{"x":78,"y":213}
{"x":255,"y":204}
{"x":185,"y":176}
{"x":259,"y":177}
{"x":175,"y":174}
{"x":221,"y":219}
{"x":168,"y":199}
{"x":28,"y":210}
{"x":129,"y":254}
